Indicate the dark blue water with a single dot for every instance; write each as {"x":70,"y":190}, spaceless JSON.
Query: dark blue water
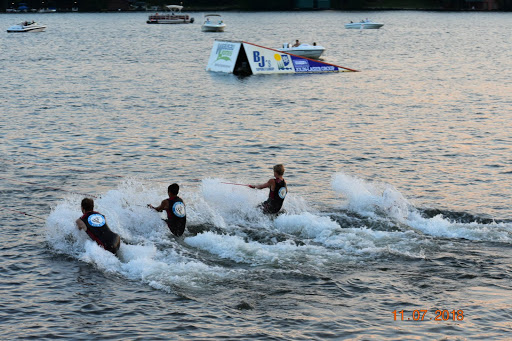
{"x":399,"y":180}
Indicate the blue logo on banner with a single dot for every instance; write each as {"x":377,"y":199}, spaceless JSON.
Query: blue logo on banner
{"x":258,"y":59}
{"x":286,"y":59}
{"x":306,"y":65}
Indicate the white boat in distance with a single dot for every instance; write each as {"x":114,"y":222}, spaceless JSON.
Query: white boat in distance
{"x":48,"y":10}
{"x":175,"y":17}
{"x":213,"y":23}
{"x":364,"y":24}
{"x":304,"y":50}
{"x":26,"y":26}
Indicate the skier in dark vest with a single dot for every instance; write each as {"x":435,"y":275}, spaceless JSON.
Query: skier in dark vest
{"x":95,"y":225}
{"x":175,"y":209}
{"x":278,"y":191}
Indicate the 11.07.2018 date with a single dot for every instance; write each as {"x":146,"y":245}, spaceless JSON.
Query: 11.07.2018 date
{"x":419,"y":315}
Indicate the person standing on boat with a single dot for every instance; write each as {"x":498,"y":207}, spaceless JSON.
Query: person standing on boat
{"x":175,"y":209}
{"x":95,"y":225}
{"x":278,"y":191}
{"x":296,"y":43}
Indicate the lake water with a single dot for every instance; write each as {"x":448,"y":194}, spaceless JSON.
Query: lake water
{"x":398,"y":222}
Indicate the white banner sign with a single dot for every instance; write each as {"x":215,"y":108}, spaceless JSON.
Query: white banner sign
{"x":223,"y":56}
{"x":263,"y":60}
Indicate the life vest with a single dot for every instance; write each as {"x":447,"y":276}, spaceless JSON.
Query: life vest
{"x":176,"y":216}
{"x":276,"y":197}
{"x":99,"y":231}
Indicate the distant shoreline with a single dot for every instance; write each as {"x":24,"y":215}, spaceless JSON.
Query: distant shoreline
{"x":200,"y":9}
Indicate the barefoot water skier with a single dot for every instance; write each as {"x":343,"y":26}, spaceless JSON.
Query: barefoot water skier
{"x":95,"y":225}
{"x":175,"y":209}
{"x":278,"y":191}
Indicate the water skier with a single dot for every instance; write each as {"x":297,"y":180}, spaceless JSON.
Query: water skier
{"x":175,"y":209}
{"x":95,"y":225}
{"x":278,"y":191}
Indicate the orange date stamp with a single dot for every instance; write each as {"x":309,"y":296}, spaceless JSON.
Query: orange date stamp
{"x":422,"y":315}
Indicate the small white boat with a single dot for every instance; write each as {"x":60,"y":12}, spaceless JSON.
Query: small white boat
{"x":175,"y":17}
{"x":213,"y":23}
{"x":47,"y":10}
{"x":26,"y":26}
{"x":304,"y":50}
{"x":363,"y":24}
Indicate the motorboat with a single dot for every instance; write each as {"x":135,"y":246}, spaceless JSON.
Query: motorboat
{"x":213,"y":23}
{"x":175,"y":17}
{"x":48,"y":10}
{"x":26,"y":26}
{"x":304,"y":50}
{"x":364,"y":24}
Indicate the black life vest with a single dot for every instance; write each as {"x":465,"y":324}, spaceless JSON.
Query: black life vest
{"x":99,"y":231}
{"x":276,"y":197}
{"x":176,"y":216}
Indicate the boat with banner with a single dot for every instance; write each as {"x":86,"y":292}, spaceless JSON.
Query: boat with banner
{"x":244,"y":58}
{"x":174,"y":16}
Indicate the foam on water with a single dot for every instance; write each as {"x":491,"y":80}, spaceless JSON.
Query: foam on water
{"x":229,"y":206}
{"x":228,"y":225}
{"x":254,"y":253}
{"x":383,"y":201}
{"x":149,"y":252}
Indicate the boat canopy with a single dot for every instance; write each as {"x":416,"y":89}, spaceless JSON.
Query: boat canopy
{"x":174,"y":8}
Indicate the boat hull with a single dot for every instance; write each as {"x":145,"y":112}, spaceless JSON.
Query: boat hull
{"x":24,"y":29}
{"x":213,"y":28}
{"x":360,"y":26}
{"x":313,"y":53}
{"x":170,"y":19}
